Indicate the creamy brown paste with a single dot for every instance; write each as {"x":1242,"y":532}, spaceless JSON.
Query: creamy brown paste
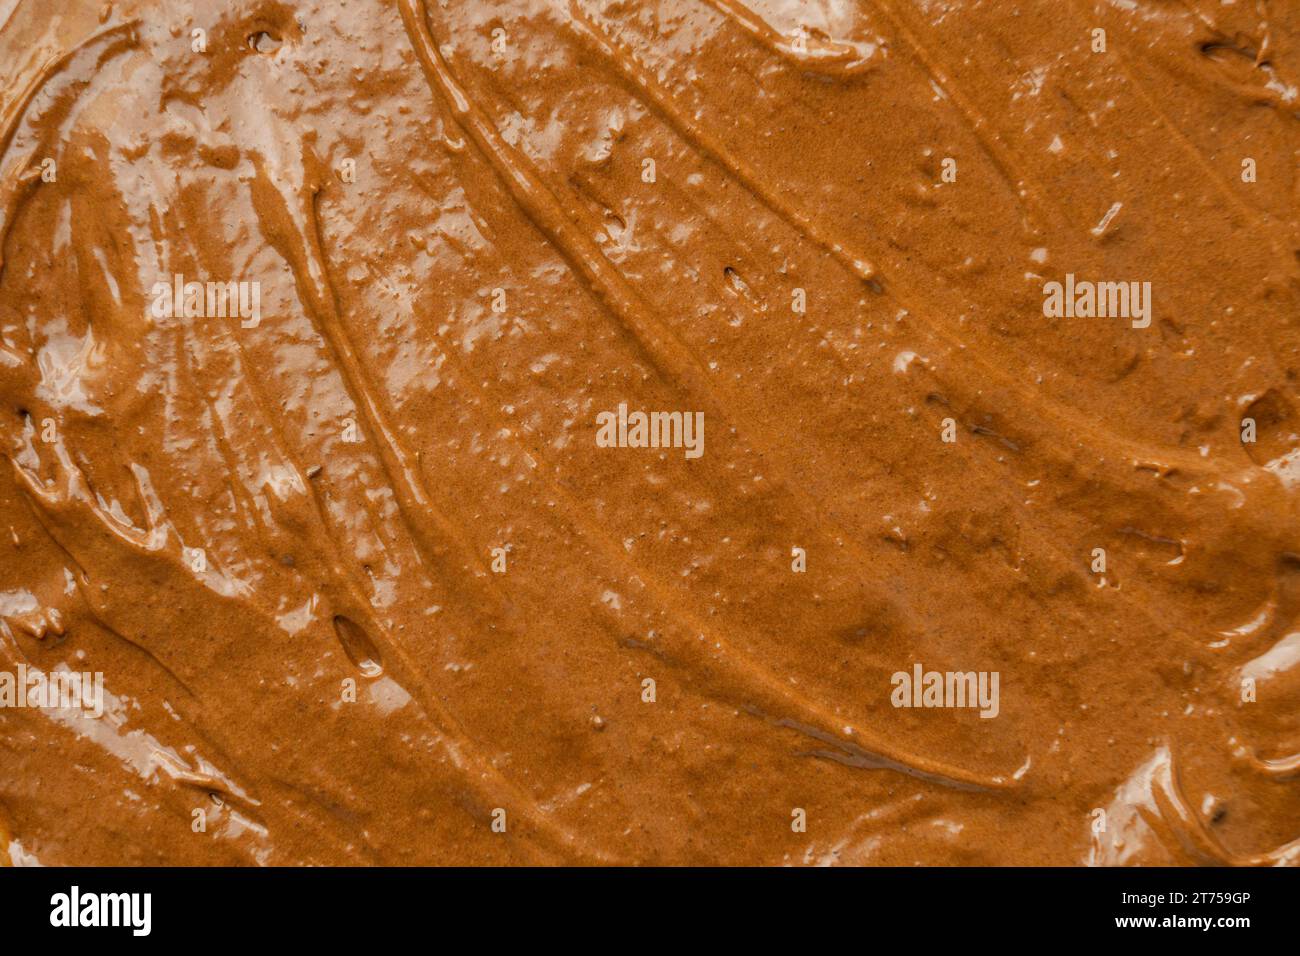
{"x":364,"y":538}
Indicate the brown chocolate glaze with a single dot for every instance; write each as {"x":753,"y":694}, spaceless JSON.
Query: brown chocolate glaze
{"x":463,"y":260}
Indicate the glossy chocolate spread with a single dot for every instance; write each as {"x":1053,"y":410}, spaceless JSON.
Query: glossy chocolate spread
{"x":649,"y":431}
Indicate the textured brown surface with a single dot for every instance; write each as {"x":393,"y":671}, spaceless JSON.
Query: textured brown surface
{"x":782,"y":163}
